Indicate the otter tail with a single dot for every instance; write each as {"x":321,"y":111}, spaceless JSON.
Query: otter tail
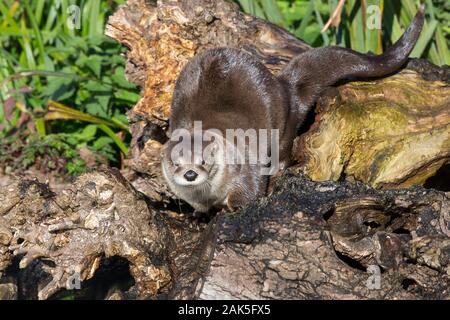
{"x":310,"y":72}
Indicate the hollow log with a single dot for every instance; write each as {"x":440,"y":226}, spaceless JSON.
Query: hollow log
{"x":305,"y":240}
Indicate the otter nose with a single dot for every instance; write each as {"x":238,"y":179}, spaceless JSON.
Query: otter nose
{"x":190,"y":175}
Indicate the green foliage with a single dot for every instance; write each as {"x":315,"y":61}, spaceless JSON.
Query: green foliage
{"x":43,"y":60}
{"x":54,"y":152}
{"x":306,"y":19}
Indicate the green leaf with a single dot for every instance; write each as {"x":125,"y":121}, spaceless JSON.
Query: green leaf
{"x":26,"y":43}
{"x":272,"y":12}
{"x":119,"y":79}
{"x":37,"y":32}
{"x":59,"y":111}
{"x":94,"y":18}
{"x":248,"y":6}
{"x":126,"y":95}
{"x":424,"y":39}
{"x":356,"y":29}
{"x":115,"y":138}
{"x":442,"y":47}
{"x":102,"y":142}
{"x":96,"y":86}
{"x":59,"y":89}
{"x":98,"y":105}
{"x":94,"y":63}
{"x":40,"y":126}
{"x":89,"y":132}
{"x":373,"y":34}
{"x":311,"y":34}
{"x":325,"y":38}
{"x":308,"y":16}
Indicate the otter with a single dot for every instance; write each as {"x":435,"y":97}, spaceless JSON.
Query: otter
{"x":226,"y":90}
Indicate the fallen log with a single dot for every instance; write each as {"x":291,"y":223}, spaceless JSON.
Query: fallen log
{"x":308,"y":240}
{"x":330,"y":241}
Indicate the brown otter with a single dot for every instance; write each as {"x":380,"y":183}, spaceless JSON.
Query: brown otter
{"x":226,"y":89}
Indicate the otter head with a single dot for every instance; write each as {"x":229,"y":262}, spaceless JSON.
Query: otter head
{"x":189,"y":162}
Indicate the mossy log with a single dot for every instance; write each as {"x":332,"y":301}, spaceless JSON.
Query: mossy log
{"x":388,"y":133}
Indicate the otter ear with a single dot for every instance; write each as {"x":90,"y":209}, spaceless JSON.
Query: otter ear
{"x":214,"y":68}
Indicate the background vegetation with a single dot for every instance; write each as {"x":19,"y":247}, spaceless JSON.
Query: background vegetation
{"x":306,"y":19}
{"x":63,"y":92}
{"x":62,"y":89}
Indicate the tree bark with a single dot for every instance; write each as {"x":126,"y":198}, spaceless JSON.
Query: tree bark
{"x":388,"y":133}
{"x":306,"y":240}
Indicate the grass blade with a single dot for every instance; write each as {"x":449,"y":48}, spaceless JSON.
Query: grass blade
{"x":57,"y":111}
{"x":424,"y":39}
{"x":26,"y":43}
{"x":272,"y":12}
{"x":115,"y":138}
{"x":36,"y":31}
{"x":325,"y":38}
{"x":442,"y":46}
{"x":300,"y":32}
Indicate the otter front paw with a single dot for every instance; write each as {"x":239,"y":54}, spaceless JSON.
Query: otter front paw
{"x":236,"y":200}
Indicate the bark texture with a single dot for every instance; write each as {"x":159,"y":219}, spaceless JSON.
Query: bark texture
{"x":308,"y":240}
{"x":389,"y":133}
{"x":327,"y":240}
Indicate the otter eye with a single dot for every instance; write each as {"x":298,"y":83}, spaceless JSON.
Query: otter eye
{"x":203,"y":162}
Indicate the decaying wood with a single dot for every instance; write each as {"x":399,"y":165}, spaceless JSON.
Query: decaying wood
{"x":316,"y":241}
{"x":389,"y":133}
{"x":100,"y":216}
{"x":306,"y":240}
